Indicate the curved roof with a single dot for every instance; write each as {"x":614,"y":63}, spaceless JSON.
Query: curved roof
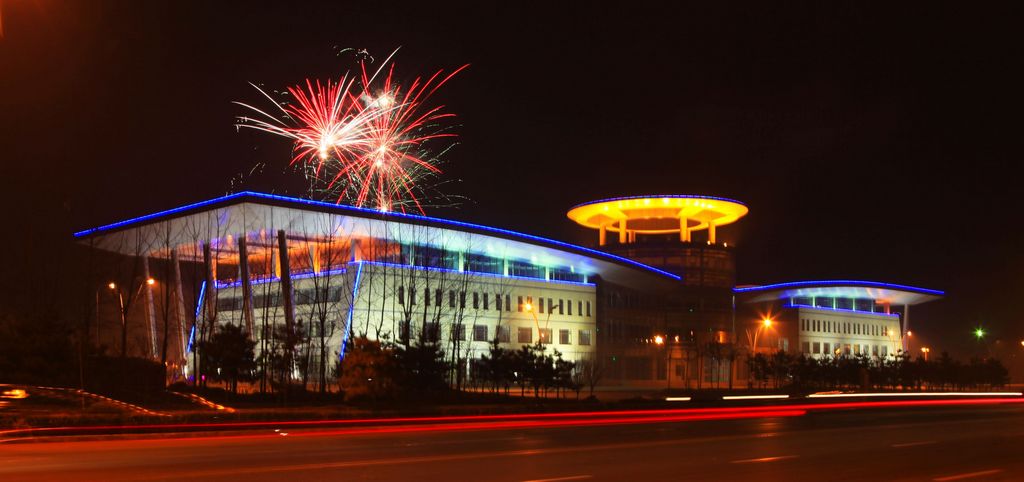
{"x":249,"y":212}
{"x":658,"y":214}
{"x":895,"y":294}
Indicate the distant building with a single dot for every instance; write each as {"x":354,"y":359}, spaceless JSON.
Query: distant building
{"x":831,"y":318}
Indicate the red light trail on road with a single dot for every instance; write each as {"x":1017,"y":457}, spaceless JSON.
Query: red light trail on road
{"x":511,"y":421}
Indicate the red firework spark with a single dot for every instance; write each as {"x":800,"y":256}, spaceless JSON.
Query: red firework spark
{"x":370,"y":149}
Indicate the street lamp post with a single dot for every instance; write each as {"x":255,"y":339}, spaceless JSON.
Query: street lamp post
{"x":660,"y":341}
{"x":765,"y":323}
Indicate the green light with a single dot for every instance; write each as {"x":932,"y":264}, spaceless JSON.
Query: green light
{"x":978,"y":332}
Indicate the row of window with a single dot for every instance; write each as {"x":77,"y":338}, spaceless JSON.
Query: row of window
{"x":432,"y":257}
{"x":844,"y":328}
{"x":853,"y":304}
{"x":836,"y":349}
{"x":501,"y":302}
{"x":504,"y":334}
{"x":302,"y":297}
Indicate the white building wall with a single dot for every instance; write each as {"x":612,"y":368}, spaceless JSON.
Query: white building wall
{"x":387,"y":294}
{"x":823,"y":331}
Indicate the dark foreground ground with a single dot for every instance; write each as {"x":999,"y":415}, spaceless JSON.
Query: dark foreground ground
{"x":902,"y":443}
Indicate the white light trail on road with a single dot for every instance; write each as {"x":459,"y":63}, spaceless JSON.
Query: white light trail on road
{"x":754,"y":397}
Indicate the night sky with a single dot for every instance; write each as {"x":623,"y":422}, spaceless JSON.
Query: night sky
{"x":869,"y":143}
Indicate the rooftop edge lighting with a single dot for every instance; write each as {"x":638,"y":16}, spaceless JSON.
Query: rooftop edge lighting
{"x":373,"y":213}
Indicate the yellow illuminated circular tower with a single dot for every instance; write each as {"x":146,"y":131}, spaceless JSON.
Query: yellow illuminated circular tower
{"x":683,"y":214}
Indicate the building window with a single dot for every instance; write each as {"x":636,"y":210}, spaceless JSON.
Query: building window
{"x":480,"y":333}
{"x":401,"y":295}
{"x":579,"y":308}
{"x":885,"y":350}
{"x":584,"y":337}
{"x":540,"y":305}
{"x":569,"y":308}
{"x":503,"y":334}
{"x":545,"y":335}
{"x":525,"y":335}
{"x":451,"y":299}
{"x":588,"y":308}
{"x":432,"y":332}
{"x":874,"y":350}
{"x":437,"y":297}
{"x":459,"y":332}
{"x":508,"y":303}
{"x":520,"y":304}
{"x":476,"y":300}
{"x":816,"y":347}
{"x":486,"y":304}
{"x":563,"y":337}
{"x":403,"y":330}
{"x":426,"y":296}
{"x":805,"y":347}
{"x":412,"y":296}
{"x":462,"y":299}
{"x":827,"y":349}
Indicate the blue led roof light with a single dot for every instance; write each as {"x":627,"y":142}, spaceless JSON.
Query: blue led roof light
{"x":832,"y":283}
{"x":365,"y":212}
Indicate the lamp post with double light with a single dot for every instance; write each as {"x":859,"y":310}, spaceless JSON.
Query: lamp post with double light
{"x":125,"y":306}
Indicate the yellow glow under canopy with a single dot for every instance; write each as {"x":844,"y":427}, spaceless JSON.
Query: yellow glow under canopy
{"x":658,"y":214}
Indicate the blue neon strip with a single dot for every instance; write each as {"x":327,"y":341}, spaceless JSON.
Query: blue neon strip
{"x":311,"y":274}
{"x":376,"y":213}
{"x":844,"y":310}
{"x":199,"y":308}
{"x":474,"y":273}
{"x":407,"y":266}
{"x":351,"y":309}
{"x":669,"y":196}
{"x":158,"y":215}
{"x":841,"y":283}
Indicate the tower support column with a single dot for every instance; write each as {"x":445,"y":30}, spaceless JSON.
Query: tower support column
{"x":243,"y":270}
{"x":150,"y":308}
{"x":179,"y":305}
{"x":622,"y":231}
{"x":602,"y":235}
{"x":286,"y":280}
{"x":711,"y":233}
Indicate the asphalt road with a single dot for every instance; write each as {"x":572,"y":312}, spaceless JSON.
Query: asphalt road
{"x":921,"y":443}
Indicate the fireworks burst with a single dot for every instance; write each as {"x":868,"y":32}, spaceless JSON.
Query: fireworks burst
{"x":360,"y":143}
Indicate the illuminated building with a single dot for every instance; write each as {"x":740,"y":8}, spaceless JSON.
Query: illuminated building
{"x":653,"y":300}
{"x":678,"y":234}
{"x":833,"y":318}
{"x":261,"y":261}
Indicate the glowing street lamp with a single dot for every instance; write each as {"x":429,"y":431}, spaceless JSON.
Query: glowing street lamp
{"x":925,"y":351}
{"x":659,"y":340}
{"x":765,"y":324}
{"x":979,"y":332}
